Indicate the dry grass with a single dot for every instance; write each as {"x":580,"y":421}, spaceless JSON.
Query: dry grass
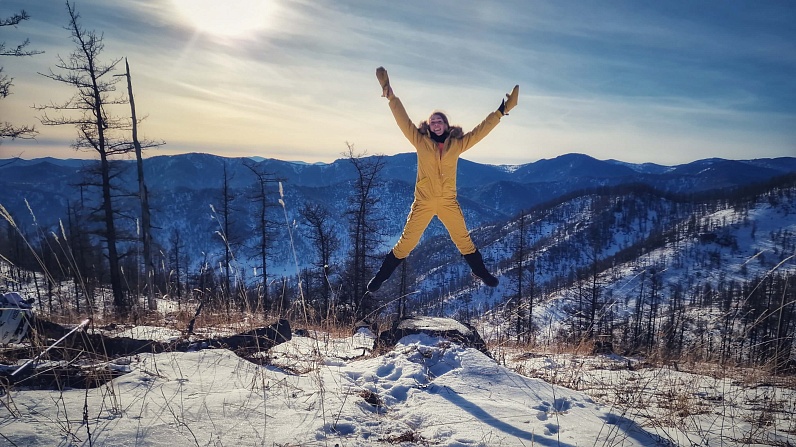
{"x":678,"y":400}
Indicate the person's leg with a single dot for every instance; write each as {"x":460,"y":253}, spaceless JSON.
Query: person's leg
{"x":417,"y":221}
{"x":419,"y":217}
{"x":388,"y":266}
{"x":476,"y":263}
{"x":451,"y":216}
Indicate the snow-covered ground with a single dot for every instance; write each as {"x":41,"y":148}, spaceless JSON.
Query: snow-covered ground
{"x":321,"y":390}
{"x":687,"y":404}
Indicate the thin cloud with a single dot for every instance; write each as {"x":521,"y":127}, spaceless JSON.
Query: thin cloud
{"x":593,"y":76}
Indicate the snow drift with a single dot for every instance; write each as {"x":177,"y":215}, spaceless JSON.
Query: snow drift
{"x":424,"y":391}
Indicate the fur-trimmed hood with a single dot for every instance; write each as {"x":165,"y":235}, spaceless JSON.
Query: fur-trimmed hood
{"x":436,"y":170}
{"x":455,"y":132}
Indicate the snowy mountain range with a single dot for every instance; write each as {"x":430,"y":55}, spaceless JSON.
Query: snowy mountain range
{"x":578,"y":213}
{"x":489,"y":193}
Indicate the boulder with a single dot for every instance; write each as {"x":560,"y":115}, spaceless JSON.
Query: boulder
{"x":455,"y":331}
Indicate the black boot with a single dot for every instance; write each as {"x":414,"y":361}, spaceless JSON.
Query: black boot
{"x":476,"y":262}
{"x":387,"y":267}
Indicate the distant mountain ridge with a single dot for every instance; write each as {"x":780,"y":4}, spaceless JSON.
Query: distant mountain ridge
{"x":713,"y":172}
{"x":630,"y":232}
{"x":503,"y":190}
{"x":184,"y":188}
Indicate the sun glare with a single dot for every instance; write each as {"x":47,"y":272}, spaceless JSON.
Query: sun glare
{"x":225,"y":18}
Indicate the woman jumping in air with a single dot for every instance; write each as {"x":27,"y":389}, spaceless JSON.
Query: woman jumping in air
{"x":438,"y":148}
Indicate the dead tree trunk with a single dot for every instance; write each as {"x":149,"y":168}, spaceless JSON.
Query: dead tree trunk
{"x":95,"y":348}
{"x":146,"y":226}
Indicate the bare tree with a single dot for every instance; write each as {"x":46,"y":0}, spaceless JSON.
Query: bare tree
{"x":519,"y":255}
{"x":8,"y":130}
{"x":363,"y":230}
{"x":175,"y":260}
{"x":98,"y":130}
{"x":228,"y":234}
{"x":263,"y":226}
{"x":322,"y":233}
{"x":143,"y":194}
{"x":595,"y":240}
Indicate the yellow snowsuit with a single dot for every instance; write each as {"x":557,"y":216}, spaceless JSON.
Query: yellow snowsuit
{"x":435,"y":189}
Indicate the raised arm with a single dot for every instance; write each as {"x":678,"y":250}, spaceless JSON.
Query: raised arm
{"x":398,"y":111}
{"x":480,"y":131}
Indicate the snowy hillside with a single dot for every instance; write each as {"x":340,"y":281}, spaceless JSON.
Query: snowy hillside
{"x":317,"y":390}
{"x":626,"y":230}
{"x":614,"y":250}
{"x":609,"y":263}
{"x":185,"y":195}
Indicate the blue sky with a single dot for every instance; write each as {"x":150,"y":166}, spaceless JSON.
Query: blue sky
{"x":667,"y":82}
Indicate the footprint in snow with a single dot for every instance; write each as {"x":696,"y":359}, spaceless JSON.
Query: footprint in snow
{"x":550,"y":429}
{"x":385,"y":370}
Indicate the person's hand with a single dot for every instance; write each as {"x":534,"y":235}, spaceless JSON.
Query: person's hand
{"x":511,"y":100}
{"x":384,"y":81}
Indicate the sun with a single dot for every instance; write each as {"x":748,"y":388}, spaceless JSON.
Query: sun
{"x":232,"y":19}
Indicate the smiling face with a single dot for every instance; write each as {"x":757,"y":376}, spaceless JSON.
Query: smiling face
{"x":438,"y":124}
